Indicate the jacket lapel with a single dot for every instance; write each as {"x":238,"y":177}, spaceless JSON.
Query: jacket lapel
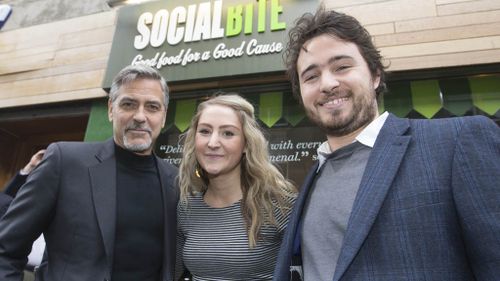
{"x":380,"y":171}
{"x":103,"y":184}
{"x":291,"y":239}
{"x":296,"y":217}
{"x":170,"y":198}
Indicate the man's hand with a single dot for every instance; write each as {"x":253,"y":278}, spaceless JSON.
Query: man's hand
{"x":34,"y":161}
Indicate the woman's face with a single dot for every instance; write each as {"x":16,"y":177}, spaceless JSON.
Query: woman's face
{"x":219,"y":141}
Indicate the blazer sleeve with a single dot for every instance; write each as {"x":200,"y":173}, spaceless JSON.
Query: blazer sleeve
{"x":15,"y":184}
{"x":4,"y":203}
{"x":28,"y":215}
{"x":476,"y":191}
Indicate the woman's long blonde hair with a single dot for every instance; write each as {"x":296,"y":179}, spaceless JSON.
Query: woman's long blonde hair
{"x":264,"y":187}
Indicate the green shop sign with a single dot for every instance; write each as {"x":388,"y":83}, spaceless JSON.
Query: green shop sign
{"x":189,"y":40}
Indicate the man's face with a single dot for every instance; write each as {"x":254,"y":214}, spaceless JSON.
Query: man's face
{"x":138,"y":114}
{"x":337,"y":88}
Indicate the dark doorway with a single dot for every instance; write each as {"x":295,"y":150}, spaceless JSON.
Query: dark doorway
{"x":24,"y":132}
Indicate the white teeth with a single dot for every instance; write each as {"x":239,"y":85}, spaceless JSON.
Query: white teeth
{"x":336,"y":101}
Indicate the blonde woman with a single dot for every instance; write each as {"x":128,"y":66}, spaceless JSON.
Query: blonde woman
{"x":234,"y":203}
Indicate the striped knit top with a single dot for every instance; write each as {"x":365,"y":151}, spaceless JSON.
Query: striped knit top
{"x":214,"y":243}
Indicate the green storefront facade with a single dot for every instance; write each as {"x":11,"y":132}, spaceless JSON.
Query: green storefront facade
{"x":215,"y":43}
{"x":293,"y":139}
{"x":443,"y":60}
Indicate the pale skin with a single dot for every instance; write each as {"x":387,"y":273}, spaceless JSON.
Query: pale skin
{"x":138,"y":114}
{"x":219,"y":147}
{"x":337,"y":88}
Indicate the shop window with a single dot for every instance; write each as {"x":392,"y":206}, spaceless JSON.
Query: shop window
{"x":293,"y":139}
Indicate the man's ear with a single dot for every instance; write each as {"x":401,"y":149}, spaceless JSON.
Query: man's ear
{"x":110,"y":110}
{"x":164,"y":119}
{"x":376,"y":80}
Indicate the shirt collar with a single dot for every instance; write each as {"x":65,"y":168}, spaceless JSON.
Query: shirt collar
{"x":367,"y":136}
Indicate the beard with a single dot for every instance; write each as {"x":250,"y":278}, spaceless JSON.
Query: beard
{"x":340,"y":123}
{"x":137,"y":147}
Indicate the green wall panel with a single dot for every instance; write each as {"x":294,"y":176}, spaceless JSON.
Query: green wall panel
{"x":184,"y":111}
{"x":456,"y":95}
{"x":293,"y":111}
{"x":426,"y":97}
{"x":169,"y":122}
{"x":486,"y":93}
{"x":270,"y":108}
{"x":398,"y":99}
{"x":99,"y":128}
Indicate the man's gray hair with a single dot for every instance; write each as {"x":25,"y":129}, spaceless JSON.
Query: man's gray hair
{"x":135,"y":72}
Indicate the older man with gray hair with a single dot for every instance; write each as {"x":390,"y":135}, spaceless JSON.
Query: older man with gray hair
{"x":106,"y":209}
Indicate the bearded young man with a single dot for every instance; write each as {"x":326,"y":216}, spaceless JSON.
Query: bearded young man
{"x":107,"y":209}
{"x":390,"y":198}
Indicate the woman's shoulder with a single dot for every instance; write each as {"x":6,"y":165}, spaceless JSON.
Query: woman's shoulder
{"x":282,"y":211}
{"x":191,"y":200}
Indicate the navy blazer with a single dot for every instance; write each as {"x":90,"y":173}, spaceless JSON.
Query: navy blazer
{"x":4,"y":203}
{"x":10,"y":192}
{"x":15,"y":184}
{"x":71,"y":198}
{"x":428,"y":206}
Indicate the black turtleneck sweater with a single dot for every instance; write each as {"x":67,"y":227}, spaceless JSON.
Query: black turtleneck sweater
{"x":138,"y":250}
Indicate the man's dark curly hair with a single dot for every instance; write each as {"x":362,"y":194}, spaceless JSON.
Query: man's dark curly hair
{"x":337,"y":24}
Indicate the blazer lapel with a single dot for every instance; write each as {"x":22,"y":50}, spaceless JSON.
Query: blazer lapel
{"x":170,"y":198}
{"x":380,"y":171}
{"x":291,"y":238}
{"x":103,"y":185}
{"x":296,"y":217}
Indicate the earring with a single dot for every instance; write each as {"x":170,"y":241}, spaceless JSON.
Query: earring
{"x":196,"y":170}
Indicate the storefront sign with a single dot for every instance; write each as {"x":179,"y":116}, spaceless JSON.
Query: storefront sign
{"x":189,"y":40}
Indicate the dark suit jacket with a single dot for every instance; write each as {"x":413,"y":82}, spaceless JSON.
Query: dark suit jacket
{"x":71,"y":198}
{"x":10,"y":192}
{"x":15,"y":184}
{"x":4,"y":203}
{"x":428,"y":206}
